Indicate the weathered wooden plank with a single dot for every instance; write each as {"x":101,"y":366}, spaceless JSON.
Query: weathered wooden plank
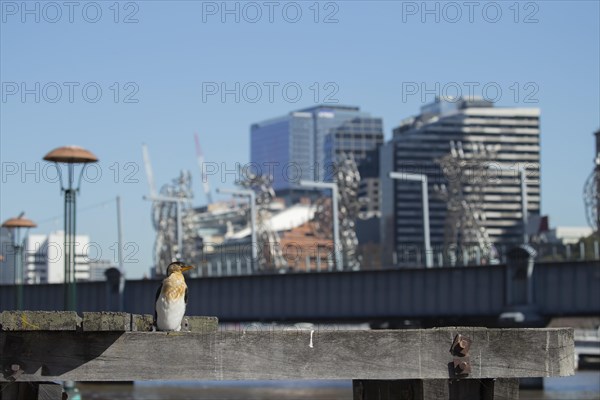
{"x":141,"y":323}
{"x":222,"y":355}
{"x":93,"y":322}
{"x":39,"y":321}
{"x":106,"y":321}
{"x":200,"y":324}
{"x":144,"y":323}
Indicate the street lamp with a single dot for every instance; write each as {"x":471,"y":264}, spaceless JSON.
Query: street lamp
{"x":336,"y":223}
{"x":425,"y":202}
{"x":70,"y":155}
{"x":14,"y":226}
{"x":252,"y":196}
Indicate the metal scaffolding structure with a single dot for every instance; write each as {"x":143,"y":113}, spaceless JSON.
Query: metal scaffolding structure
{"x":464,"y":228}
{"x":591,"y":196}
{"x":174,"y":218}
{"x":347,"y":178}
{"x":269,"y":255}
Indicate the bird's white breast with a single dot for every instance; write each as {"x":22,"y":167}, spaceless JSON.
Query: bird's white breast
{"x":170,"y":305}
{"x":169,"y":313}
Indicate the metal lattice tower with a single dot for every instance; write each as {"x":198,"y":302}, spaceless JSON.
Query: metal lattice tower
{"x":164,"y":218}
{"x":270,"y":254}
{"x":347,"y":178}
{"x":591,"y":191}
{"x":466,"y":175}
{"x":323,"y":218}
{"x":591,"y":200}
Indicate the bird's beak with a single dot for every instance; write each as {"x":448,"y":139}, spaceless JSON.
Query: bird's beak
{"x":187,"y":267}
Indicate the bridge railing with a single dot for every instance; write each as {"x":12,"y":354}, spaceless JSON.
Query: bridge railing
{"x":443,"y":363}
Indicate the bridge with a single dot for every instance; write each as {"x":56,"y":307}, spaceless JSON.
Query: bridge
{"x":437,"y":296}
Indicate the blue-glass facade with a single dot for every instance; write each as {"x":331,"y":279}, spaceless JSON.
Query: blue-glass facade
{"x":291,"y":147}
{"x":283,"y":148}
{"x":355,"y":138}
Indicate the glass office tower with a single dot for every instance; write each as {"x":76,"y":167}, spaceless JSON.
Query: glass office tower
{"x":360,"y":139}
{"x":291,"y":147}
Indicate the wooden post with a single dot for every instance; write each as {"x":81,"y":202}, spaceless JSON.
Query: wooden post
{"x":436,"y":389}
{"x":31,"y":391}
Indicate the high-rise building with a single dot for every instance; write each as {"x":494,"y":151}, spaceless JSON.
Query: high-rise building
{"x":360,"y":139}
{"x":291,"y":147}
{"x":354,"y":138}
{"x":511,"y":136}
{"x":44,"y":260}
{"x":370,"y":185}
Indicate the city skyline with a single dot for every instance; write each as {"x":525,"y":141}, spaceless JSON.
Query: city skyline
{"x":57,"y":219}
{"x":176,"y":77}
{"x":472,"y":153}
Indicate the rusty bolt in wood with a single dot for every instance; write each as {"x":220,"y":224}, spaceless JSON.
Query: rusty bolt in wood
{"x":16,"y":371}
{"x":460,"y":349}
{"x":460,"y":346}
{"x":462,"y":366}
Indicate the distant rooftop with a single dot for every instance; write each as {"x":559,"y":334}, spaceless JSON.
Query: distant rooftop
{"x":443,"y":105}
{"x":330,"y":107}
{"x":287,"y":219}
{"x":304,"y":112}
{"x":475,"y":106}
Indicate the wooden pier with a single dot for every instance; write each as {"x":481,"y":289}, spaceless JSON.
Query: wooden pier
{"x":38,"y":348}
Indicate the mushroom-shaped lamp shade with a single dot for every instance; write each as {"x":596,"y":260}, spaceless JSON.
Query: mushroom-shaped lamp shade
{"x":18,"y":222}
{"x":71,"y":155}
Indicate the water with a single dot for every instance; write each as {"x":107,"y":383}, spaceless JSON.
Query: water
{"x":585,"y":385}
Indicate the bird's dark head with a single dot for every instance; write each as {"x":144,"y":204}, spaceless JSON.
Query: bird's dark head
{"x":178,"y":266}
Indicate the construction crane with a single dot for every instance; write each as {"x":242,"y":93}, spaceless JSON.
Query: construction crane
{"x":148,"y":168}
{"x":200,"y":158}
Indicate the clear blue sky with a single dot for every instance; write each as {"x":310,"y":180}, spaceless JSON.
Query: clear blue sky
{"x":551,"y":53}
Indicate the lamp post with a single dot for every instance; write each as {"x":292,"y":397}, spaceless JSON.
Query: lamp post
{"x":336,"y":222}
{"x":14,"y":226}
{"x":71,"y":156}
{"x":252,"y":197}
{"x":425,"y":202}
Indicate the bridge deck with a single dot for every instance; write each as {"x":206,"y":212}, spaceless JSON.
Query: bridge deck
{"x":560,"y":289}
